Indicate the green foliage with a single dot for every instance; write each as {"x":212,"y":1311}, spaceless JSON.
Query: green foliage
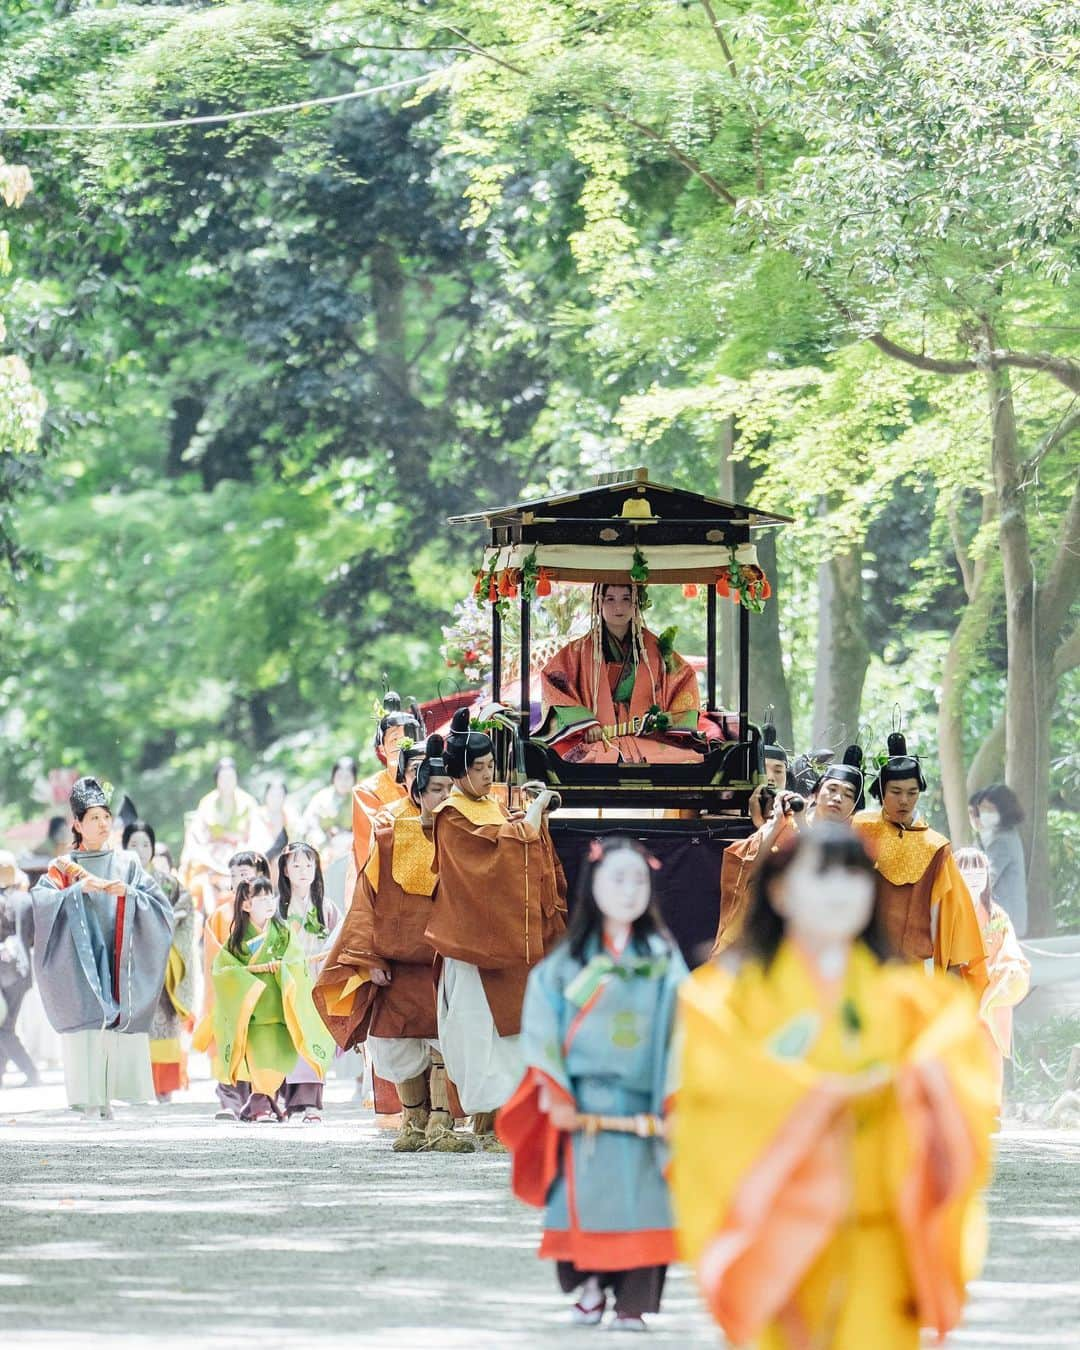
{"x":277,"y":353}
{"x":1041,"y":1055}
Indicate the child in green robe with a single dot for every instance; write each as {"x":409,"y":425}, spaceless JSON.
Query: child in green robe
{"x":263,"y":1012}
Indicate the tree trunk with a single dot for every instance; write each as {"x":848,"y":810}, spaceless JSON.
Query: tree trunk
{"x":843,"y":653}
{"x":1030,"y":687}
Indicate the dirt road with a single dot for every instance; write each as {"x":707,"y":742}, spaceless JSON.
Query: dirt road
{"x":165,"y":1227}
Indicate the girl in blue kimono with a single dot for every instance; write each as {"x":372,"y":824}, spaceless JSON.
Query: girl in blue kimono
{"x":585,"y":1125}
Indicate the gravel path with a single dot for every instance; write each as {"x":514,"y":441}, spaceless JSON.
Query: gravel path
{"x":166,"y":1227}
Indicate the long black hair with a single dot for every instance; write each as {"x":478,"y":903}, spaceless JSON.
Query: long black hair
{"x":285,"y":885}
{"x":139,"y":827}
{"x":247,"y":890}
{"x":838,"y":846}
{"x":586,"y":919}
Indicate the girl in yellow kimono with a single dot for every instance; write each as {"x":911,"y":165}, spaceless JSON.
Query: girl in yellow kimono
{"x":264,"y":1016}
{"x":834,"y":1114}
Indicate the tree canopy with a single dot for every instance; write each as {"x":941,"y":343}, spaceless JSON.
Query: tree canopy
{"x":820,"y":255}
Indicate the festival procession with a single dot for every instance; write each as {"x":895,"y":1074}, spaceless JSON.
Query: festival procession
{"x":538,"y":595}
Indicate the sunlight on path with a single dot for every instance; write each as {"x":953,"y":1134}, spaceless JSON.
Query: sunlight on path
{"x":166,"y":1227}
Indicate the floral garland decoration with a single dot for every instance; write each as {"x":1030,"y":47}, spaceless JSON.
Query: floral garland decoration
{"x":743,"y":584}
{"x":666,"y":643}
{"x":499,"y":587}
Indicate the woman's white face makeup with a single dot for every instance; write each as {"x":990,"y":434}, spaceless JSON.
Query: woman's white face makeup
{"x":824,"y":907}
{"x":261,"y":909}
{"x":95,"y":828}
{"x":140,"y":845}
{"x":300,"y":869}
{"x":989,"y":820}
{"x":344,"y":781}
{"x":621,"y":885}
{"x":617,"y":609}
{"x":977,"y":878}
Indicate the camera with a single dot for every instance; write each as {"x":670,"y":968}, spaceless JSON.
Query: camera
{"x":768,"y":801}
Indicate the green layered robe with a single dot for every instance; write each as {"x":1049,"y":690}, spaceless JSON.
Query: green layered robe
{"x":264,"y":1019}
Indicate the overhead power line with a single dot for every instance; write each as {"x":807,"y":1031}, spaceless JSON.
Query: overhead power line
{"x":217,"y":119}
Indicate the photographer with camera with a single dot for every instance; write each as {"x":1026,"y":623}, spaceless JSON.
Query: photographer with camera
{"x":836,"y":796}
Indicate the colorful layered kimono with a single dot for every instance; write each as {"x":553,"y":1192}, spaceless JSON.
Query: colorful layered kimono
{"x":926,"y":906}
{"x":829,"y":1155}
{"x":1009,"y":981}
{"x":263,"y":1019}
{"x":597,"y":1035}
{"x":621,"y":699}
{"x":167,"y":1058}
{"x":212,"y":836}
{"x":99,"y":963}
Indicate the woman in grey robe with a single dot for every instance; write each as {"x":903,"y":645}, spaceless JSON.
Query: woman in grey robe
{"x":102,"y":932}
{"x":996,"y":813}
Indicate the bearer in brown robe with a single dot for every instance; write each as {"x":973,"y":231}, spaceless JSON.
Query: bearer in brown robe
{"x":500,"y":905}
{"x":378,"y":983}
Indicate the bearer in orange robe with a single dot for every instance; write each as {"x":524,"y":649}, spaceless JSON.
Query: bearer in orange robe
{"x":926,"y":908}
{"x":395,"y":729}
{"x":500,"y":905}
{"x":620,"y":693}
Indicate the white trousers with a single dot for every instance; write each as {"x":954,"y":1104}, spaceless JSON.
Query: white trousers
{"x":399,"y":1058}
{"x":105,"y":1066}
{"x":484,"y":1066}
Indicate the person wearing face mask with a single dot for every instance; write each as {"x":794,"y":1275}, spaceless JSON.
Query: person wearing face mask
{"x":995,"y":814}
{"x":925,"y":907}
{"x":102,"y":935}
{"x":167,"y":1058}
{"x":264,"y":1016}
{"x":243,"y":866}
{"x":832,"y":1132}
{"x":837,"y":795}
{"x":585,"y":1125}
{"x":378,"y":985}
{"x":499,"y":905}
{"x":1008,"y":968}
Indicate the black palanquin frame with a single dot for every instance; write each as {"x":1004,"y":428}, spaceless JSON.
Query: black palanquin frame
{"x":593,"y":517}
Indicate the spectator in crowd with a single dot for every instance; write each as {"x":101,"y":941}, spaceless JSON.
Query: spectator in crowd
{"x":995,"y":814}
{"x":15,"y":978}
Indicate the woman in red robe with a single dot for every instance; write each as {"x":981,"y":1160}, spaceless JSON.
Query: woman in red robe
{"x":620,"y":693}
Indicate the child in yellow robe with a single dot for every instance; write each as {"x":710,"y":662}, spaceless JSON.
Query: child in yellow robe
{"x":831,"y":1138}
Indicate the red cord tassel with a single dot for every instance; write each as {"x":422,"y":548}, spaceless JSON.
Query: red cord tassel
{"x":690,"y":590}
